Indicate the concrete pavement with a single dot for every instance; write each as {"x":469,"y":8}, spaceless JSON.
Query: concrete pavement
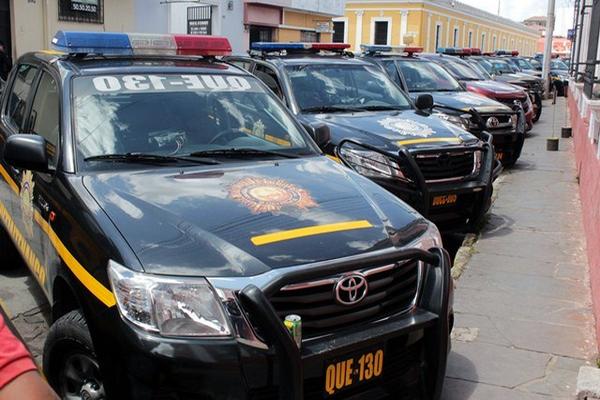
{"x":524,"y":323}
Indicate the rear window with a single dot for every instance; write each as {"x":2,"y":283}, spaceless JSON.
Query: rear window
{"x":178,"y":115}
{"x":423,"y":76}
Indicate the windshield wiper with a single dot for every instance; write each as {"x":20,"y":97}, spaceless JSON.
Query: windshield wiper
{"x":382,"y":108}
{"x":149,"y":158}
{"x":326,"y":109}
{"x":240,"y":151}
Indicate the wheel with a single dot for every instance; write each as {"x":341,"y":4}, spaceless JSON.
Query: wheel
{"x":8,"y":252}
{"x":538,"y":110}
{"x":70,"y":363}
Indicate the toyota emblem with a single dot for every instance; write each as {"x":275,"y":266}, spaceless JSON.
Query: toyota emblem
{"x":351,"y":289}
{"x":492,"y":122}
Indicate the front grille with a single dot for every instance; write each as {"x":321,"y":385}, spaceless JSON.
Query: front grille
{"x":448,"y":166}
{"x":504,"y":122}
{"x":391,"y":289}
{"x":511,"y":102}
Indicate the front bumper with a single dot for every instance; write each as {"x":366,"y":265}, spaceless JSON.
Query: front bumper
{"x":416,"y":347}
{"x":473,"y":193}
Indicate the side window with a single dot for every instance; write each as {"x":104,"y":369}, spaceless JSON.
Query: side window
{"x":390,"y":68}
{"x":269,"y":78}
{"x":45,"y":115}
{"x":242,"y":64}
{"x":17,"y":103}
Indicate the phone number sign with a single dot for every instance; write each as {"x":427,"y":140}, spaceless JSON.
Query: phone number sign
{"x":85,"y":6}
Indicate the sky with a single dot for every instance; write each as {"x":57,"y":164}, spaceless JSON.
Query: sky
{"x":519,"y":10}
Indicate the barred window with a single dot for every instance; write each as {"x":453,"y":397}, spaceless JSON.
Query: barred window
{"x":90,"y":11}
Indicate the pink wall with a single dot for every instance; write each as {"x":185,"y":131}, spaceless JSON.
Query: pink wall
{"x":588,"y":166}
{"x":258,"y":14}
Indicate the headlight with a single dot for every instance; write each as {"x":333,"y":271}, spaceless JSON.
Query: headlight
{"x":431,"y":238}
{"x":167,"y":305}
{"x":513,"y":120}
{"x":372,"y":164}
{"x":463,"y":121}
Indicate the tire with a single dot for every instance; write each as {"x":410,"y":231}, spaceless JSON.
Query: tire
{"x":538,"y":112}
{"x":70,"y":362}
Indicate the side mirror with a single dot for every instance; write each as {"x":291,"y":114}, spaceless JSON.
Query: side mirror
{"x":320,"y":133}
{"x":26,"y":152}
{"x":424,"y":102}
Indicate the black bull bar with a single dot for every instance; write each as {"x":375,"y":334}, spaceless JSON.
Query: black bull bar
{"x":434,"y":300}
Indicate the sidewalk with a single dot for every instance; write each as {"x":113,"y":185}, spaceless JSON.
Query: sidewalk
{"x":524,"y":323}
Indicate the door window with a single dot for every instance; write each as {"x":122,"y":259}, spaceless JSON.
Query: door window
{"x":269,"y":78}
{"x":44,"y":118}
{"x":17,"y":104}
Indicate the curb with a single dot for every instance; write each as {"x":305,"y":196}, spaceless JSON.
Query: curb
{"x":463,"y":255}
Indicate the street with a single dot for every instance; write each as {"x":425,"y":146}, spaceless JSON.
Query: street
{"x":523,"y":317}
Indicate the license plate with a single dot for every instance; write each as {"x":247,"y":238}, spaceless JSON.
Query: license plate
{"x":353,"y":370}
{"x":499,"y":156}
{"x":444,"y":200}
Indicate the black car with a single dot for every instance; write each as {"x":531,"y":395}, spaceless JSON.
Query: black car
{"x":501,"y":70}
{"x":473,"y":112}
{"x":559,"y":76}
{"x":437,"y":167}
{"x":194,"y":242}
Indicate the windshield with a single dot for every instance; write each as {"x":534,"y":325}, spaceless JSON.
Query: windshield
{"x":535,"y":63}
{"x":172,"y":115}
{"x":558,"y":64}
{"x":502,"y":66}
{"x":427,"y":77}
{"x":524,"y":64}
{"x":343,"y":87}
{"x":462,"y":71}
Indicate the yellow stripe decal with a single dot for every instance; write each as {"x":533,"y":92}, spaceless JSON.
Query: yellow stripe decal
{"x":334,"y":158}
{"x":309,"y":231}
{"x":92,"y":284}
{"x":9,"y":180}
{"x":428,"y":140}
{"x":100,"y":291}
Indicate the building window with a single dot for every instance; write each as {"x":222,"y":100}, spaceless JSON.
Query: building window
{"x":260,"y":34}
{"x":339,"y":31}
{"x":482,"y":42}
{"x":309,"y":36}
{"x":438,"y":32}
{"x":470,"y":40}
{"x":455,"y":38}
{"x":381,"y":32}
{"x":199,"y":20}
{"x":88,"y":11}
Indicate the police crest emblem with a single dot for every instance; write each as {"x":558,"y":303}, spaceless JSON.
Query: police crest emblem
{"x":262,"y":195}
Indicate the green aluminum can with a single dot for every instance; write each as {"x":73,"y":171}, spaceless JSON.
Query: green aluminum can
{"x":293,"y":323}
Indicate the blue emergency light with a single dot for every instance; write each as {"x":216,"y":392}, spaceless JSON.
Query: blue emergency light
{"x":375,"y":48}
{"x":116,"y":43}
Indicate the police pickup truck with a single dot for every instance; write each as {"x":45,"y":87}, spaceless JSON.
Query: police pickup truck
{"x":194,"y":243}
{"x":437,"y":167}
{"x":473,"y":112}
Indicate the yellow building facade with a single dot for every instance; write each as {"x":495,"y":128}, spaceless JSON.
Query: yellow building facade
{"x":430,"y":24}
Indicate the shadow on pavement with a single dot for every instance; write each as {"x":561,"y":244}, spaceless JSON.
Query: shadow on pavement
{"x":455,"y":387}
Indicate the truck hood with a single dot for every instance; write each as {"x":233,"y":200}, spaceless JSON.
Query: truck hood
{"x":242,"y":219}
{"x":466,"y":100}
{"x":495,"y":89}
{"x":389,"y":129}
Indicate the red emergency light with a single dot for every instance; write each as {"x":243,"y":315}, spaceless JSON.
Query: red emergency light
{"x":329,"y":46}
{"x":412,"y":50}
{"x":200,"y":45}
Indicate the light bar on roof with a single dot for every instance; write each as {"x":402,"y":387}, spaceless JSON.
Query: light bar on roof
{"x":109,"y":43}
{"x":291,"y":47}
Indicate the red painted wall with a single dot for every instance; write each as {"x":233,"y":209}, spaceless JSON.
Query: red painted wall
{"x":588,"y":167}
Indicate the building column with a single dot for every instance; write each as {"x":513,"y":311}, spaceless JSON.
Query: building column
{"x":464,"y":35}
{"x":427,"y":34}
{"x":403,"y":25}
{"x":448,"y":34}
{"x":359,"y":28}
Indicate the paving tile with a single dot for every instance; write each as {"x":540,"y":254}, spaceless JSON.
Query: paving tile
{"x":456,"y":389}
